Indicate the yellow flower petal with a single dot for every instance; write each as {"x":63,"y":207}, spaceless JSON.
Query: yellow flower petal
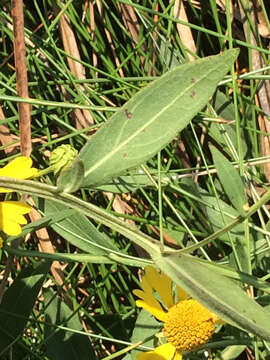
{"x":149,"y":303}
{"x":146,"y":286}
{"x":153,"y":307}
{"x":19,"y":168}
{"x":181,"y":294}
{"x":163,"y":352}
{"x":178,"y":356}
{"x":161,"y":283}
{"x":11,"y":216}
{"x":1,"y":242}
{"x":11,"y":228}
{"x":15,"y":207}
{"x":217,"y":320}
{"x":139,"y":293}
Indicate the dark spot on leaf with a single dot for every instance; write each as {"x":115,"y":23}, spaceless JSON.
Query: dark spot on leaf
{"x":128,"y":114}
{"x":192,"y":80}
{"x":192,"y":94}
{"x":254,"y":321}
{"x":125,"y":155}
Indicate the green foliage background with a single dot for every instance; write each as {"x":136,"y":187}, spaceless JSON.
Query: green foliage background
{"x":157,"y":187}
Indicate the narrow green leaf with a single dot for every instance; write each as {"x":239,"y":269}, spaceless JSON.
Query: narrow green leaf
{"x":230,"y":180}
{"x":218,"y":214}
{"x":64,"y":344}
{"x":232,"y":352}
{"x":218,"y":293}
{"x":218,"y":219}
{"x":225,"y":134}
{"x":79,"y":231}
{"x":18,"y":302}
{"x":151,"y":119}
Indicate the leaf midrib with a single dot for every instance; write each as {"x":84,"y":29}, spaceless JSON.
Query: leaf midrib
{"x":214,"y":299}
{"x":136,"y":133}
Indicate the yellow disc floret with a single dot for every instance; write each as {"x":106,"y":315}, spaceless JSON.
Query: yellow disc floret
{"x":188,"y":325}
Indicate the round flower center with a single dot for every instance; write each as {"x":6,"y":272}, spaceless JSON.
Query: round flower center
{"x":188,"y":325}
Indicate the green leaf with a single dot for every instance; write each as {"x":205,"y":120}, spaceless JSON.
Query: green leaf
{"x":218,"y":216}
{"x":64,"y":344}
{"x":146,"y":327}
{"x":126,"y":183}
{"x":152,"y":118}
{"x":71,"y":177}
{"x":215,"y":291}
{"x":225,"y":134}
{"x":79,"y":231}
{"x":18,"y":302}
{"x":230,"y":180}
{"x":232,"y":352}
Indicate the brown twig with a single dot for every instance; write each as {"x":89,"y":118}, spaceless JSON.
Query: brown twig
{"x":23,"y":108}
{"x":21,"y":75}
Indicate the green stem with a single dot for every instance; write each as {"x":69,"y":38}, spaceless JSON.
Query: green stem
{"x":52,"y":193}
{"x":264,"y":199}
{"x":45,"y":171}
{"x":84,"y":258}
{"x":149,"y":244}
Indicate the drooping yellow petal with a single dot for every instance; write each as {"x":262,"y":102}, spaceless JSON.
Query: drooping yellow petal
{"x":161,"y":283}
{"x":217,"y":320}
{"x":178,"y":356}
{"x":11,"y":216}
{"x":141,"y":294}
{"x":19,"y":168}
{"x":146,"y":285}
{"x":150,"y":303}
{"x":153,"y":307}
{"x":163,"y":352}
{"x":181,"y":294}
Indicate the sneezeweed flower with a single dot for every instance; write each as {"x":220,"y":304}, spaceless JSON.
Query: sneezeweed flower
{"x":12,"y":212}
{"x":187,"y":324}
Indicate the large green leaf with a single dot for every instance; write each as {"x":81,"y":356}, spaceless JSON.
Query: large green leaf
{"x":152,"y":118}
{"x":218,"y":293}
{"x":18,"y":302}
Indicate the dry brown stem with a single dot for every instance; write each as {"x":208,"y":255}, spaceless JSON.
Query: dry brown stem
{"x":21,"y":75}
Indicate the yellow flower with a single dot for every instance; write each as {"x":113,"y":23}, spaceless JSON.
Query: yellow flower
{"x":19,"y":168}
{"x":187,"y":324}
{"x":11,"y":212}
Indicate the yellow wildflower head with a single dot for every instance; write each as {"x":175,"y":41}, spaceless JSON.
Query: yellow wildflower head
{"x":187,"y":324}
{"x":12,"y":212}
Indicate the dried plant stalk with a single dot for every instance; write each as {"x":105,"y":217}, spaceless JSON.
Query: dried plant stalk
{"x":21,"y":76}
